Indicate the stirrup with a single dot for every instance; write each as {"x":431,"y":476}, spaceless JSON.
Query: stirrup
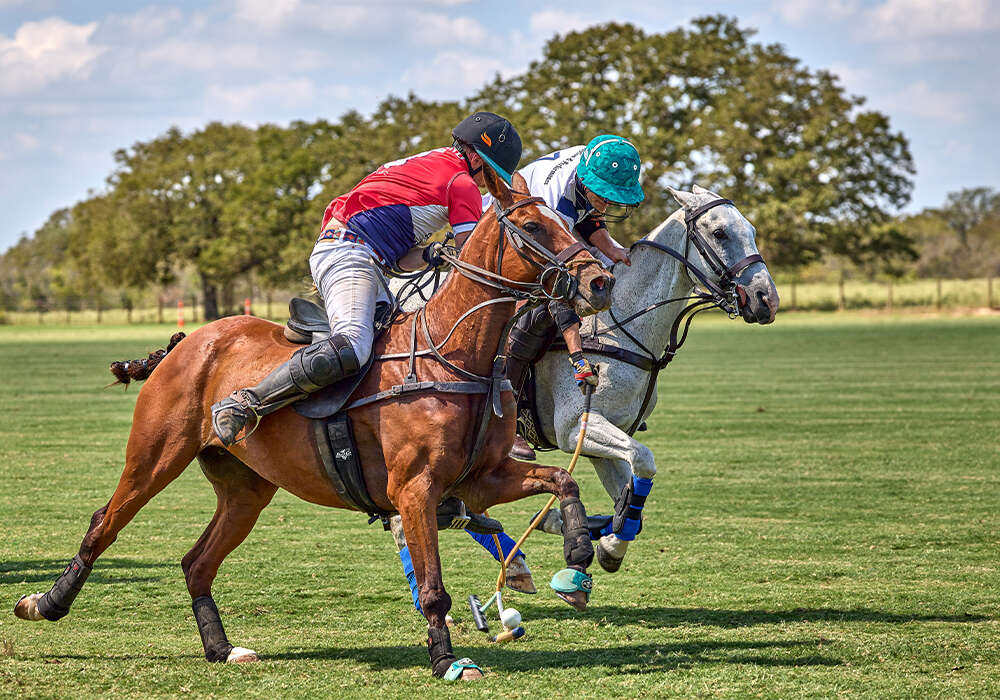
{"x":457,"y":668}
{"x":238,"y":404}
{"x":459,"y":518}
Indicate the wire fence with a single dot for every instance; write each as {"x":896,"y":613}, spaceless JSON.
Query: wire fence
{"x":890,"y":294}
{"x":846,"y":295}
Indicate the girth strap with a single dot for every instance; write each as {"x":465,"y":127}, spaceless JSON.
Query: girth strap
{"x":442,"y":387}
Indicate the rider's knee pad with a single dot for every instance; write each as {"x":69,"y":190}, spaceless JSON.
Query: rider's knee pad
{"x":627,"y":521}
{"x":563,"y":315}
{"x":532,"y":334}
{"x":322,"y":364}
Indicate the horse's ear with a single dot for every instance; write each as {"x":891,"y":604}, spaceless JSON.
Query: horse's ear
{"x":497,"y":187}
{"x":698,"y":189}
{"x":685,"y":199}
{"x":520,"y":184}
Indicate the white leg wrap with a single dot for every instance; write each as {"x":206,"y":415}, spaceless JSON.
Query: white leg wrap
{"x":239,"y":655}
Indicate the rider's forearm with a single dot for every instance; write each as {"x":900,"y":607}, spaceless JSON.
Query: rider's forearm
{"x":572,"y":337}
{"x":603,"y":241}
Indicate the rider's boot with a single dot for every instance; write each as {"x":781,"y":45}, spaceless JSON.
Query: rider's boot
{"x":310,"y":368}
{"x":517,"y":372}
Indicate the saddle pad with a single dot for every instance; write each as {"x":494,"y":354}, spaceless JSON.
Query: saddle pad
{"x":529,"y":425}
{"x":330,"y":399}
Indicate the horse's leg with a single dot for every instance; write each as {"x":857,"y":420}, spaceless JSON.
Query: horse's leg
{"x":512,"y":480}
{"x":158,"y":451}
{"x":518,"y":574}
{"x":626,"y":468}
{"x":242,"y":495}
{"x":396,"y":525}
{"x":417,"y":504}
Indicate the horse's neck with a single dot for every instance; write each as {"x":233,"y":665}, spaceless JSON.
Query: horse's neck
{"x":474,"y":343}
{"x":652,"y":277}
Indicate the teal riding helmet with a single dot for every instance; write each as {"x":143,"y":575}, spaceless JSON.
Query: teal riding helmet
{"x":610,"y":169}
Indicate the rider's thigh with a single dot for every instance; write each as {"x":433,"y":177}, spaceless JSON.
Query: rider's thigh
{"x":349,"y":282}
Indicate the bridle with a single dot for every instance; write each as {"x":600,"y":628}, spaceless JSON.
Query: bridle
{"x":555,"y":270}
{"x":723,"y":291}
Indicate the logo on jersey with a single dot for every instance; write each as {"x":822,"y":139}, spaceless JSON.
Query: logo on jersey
{"x":486,"y":139}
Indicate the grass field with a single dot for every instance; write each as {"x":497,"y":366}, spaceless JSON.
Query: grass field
{"x":824,"y":523}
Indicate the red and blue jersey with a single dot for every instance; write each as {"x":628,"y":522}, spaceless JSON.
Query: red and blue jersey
{"x":405,"y":202}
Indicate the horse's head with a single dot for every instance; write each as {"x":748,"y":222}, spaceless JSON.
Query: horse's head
{"x":725,"y":250}
{"x":528,"y":243}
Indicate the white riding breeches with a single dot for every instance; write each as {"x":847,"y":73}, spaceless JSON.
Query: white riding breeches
{"x":350,"y":283}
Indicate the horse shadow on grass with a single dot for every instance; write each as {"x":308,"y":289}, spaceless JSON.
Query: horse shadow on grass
{"x":731,"y":619}
{"x":47,"y":570}
{"x":636,"y":658}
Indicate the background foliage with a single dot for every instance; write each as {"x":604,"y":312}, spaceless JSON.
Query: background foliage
{"x":821,"y":177}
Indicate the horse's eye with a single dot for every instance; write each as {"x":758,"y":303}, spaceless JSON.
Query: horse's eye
{"x":531,"y":227}
{"x":720,"y":234}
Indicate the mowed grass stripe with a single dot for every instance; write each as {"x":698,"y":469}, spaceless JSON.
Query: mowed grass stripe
{"x":823,"y":524}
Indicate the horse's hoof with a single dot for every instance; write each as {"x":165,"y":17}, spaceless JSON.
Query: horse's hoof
{"x":578,"y":599}
{"x":27,"y":607}
{"x":472,"y":674}
{"x":519,"y":577}
{"x":239,"y":655}
{"x":608,"y":561}
{"x":464,"y":669}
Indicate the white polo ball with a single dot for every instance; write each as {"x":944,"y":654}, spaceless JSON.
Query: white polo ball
{"x":510,"y":618}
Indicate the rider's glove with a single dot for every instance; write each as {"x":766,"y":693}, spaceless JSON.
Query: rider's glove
{"x":432,"y":255}
{"x":583,"y":373}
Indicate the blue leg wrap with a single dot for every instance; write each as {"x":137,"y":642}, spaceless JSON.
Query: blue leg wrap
{"x":628,"y":511}
{"x":506,"y":543}
{"x":411,"y":577}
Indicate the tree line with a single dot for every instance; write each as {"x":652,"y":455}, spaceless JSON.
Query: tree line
{"x":820,"y":176}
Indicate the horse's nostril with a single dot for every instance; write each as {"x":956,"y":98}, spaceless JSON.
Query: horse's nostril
{"x":598,"y":283}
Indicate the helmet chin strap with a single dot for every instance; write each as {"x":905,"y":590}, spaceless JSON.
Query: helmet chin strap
{"x":472,"y":171}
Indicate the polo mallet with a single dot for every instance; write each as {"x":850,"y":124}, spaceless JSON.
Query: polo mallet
{"x":510,"y":617}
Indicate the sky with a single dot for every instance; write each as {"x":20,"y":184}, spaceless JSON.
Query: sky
{"x":80,"y":80}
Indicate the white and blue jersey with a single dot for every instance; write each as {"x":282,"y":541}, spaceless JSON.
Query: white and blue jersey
{"x":553,"y":178}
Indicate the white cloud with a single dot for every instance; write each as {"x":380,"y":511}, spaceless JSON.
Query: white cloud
{"x":807,"y":11}
{"x":919,"y":99}
{"x":232,"y":102}
{"x":548,"y":22}
{"x":431,"y":29}
{"x":26,"y":141}
{"x":43,"y":52}
{"x":896,"y":20}
{"x":453,"y":75}
{"x":912,"y":19}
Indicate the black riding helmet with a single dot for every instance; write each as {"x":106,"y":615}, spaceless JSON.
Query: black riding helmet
{"x":495,"y":140}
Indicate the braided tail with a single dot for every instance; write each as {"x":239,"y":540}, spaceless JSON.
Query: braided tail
{"x":126,"y":371}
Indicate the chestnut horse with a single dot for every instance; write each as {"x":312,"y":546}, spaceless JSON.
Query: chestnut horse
{"x":413,"y":449}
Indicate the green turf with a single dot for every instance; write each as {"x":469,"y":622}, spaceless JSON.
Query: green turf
{"x":823,"y":524}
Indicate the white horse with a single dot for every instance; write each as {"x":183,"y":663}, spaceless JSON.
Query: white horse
{"x":714,"y":247}
{"x":621,"y":400}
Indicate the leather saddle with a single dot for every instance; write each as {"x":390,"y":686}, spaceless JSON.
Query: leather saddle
{"x":307,"y":323}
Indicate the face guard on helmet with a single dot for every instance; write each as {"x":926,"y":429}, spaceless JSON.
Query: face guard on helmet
{"x":610,"y":168}
{"x":495,"y":140}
